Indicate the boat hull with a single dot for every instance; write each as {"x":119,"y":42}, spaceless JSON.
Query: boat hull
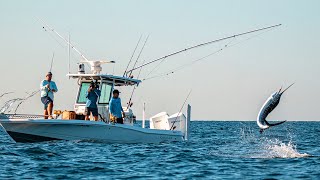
{"x":31,"y":130}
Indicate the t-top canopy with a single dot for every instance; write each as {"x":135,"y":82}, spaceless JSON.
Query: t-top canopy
{"x":117,"y":80}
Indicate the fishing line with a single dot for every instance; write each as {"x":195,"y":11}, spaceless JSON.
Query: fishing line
{"x":180,"y":110}
{"x":204,"y":44}
{"x":203,"y":58}
{"x":185,"y":65}
{"x":154,"y":69}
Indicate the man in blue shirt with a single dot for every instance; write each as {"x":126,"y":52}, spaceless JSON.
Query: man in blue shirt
{"x":115,"y":107}
{"x":93,"y":95}
{"x":47,"y":88}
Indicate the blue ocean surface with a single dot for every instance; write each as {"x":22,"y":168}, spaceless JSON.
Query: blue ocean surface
{"x":216,"y":150}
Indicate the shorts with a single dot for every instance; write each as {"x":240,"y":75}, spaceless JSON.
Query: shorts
{"x":120,"y":120}
{"x":46,"y":101}
{"x":94,"y":111}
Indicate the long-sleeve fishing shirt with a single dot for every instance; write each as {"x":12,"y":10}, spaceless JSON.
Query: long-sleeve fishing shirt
{"x":46,"y":91}
{"x":92,"y":98}
{"x":115,"y":107}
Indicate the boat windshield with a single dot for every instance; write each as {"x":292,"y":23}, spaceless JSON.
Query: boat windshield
{"x":105,"y":93}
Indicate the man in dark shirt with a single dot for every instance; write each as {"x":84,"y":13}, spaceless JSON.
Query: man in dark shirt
{"x":93,"y":95}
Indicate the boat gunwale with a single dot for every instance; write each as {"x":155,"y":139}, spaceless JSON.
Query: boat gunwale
{"x":91,"y":123}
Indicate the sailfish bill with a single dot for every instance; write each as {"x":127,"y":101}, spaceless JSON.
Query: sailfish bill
{"x":270,"y":104}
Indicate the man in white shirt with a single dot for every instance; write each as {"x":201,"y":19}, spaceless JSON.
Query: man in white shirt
{"x":47,"y":88}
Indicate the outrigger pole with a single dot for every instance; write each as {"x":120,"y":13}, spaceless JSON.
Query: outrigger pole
{"x":202,"y":44}
{"x":48,"y":28}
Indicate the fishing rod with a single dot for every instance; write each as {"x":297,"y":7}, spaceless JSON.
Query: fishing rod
{"x":172,"y":127}
{"x":139,"y":56}
{"x":51,"y":62}
{"x":134,"y":88}
{"x":203,"y":44}
{"x":134,"y":51}
{"x":228,"y":45}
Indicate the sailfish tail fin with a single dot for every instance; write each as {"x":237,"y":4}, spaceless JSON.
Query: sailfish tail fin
{"x":277,"y":123}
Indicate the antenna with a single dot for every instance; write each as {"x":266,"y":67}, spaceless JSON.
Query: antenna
{"x":69,"y":53}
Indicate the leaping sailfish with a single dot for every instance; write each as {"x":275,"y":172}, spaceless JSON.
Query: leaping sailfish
{"x":271,"y":103}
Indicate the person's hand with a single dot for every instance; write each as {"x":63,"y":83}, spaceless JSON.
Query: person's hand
{"x":48,"y":86}
{"x":90,"y":89}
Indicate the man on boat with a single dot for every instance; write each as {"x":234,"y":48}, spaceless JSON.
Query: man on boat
{"x":93,"y":95}
{"x":115,"y":107}
{"x":47,"y":88}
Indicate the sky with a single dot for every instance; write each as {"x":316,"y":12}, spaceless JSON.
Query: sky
{"x":229,"y":85}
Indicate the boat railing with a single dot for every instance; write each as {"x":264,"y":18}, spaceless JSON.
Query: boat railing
{"x":24,"y":116}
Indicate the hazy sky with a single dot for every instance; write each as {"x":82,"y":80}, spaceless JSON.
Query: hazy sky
{"x":230,"y":85}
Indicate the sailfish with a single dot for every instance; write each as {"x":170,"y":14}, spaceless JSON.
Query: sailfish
{"x":271,"y":103}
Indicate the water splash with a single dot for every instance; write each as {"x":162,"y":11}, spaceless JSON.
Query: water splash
{"x":278,"y":149}
{"x":269,"y":147}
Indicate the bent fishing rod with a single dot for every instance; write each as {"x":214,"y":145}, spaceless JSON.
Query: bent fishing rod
{"x":200,"y":45}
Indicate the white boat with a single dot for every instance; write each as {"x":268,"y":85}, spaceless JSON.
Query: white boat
{"x":34,"y":128}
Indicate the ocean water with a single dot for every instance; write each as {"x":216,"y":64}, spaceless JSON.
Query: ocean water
{"x":216,"y":150}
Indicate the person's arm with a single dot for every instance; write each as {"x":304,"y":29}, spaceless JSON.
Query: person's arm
{"x":98,"y":92}
{"x":54,"y":87}
{"x":111,"y":107}
{"x":42,"y":86}
{"x":123,"y":114}
{"x":121,"y":106}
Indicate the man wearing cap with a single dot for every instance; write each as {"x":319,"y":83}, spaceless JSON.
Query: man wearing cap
{"x":115,"y":107}
{"x":47,"y":88}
